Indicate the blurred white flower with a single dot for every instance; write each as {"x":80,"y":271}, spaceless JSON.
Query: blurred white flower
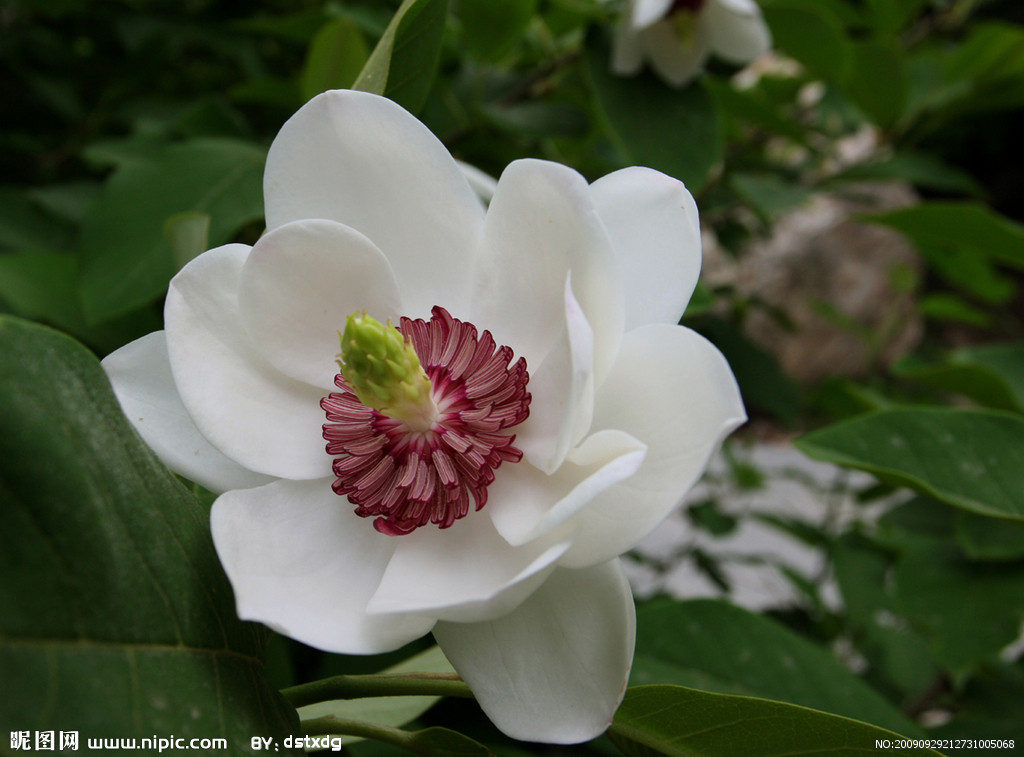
{"x":677,"y":36}
{"x":552,"y":412}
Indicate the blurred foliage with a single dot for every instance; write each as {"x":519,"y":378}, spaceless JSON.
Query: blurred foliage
{"x":134,"y":134}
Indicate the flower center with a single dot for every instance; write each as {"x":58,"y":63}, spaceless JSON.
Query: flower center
{"x":683,"y":17}
{"x":422,"y":420}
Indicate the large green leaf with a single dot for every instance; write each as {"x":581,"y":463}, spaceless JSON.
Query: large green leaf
{"x":402,"y":65}
{"x":721,"y":647}
{"x":877,"y":81}
{"x":679,"y":722}
{"x":969,"y":611}
{"x":973,"y":459}
{"x":813,"y":34}
{"x":117,"y":618}
{"x":127,"y":258}
{"x":990,"y":374}
{"x":678,"y":132}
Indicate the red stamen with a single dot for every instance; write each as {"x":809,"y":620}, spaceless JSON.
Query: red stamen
{"x":406,"y":479}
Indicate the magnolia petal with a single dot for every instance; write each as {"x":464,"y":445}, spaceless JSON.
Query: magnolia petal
{"x":555,"y":668}
{"x":541,"y":224}
{"x":676,"y":61}
{"x":481,"y":182}
{"x":299,"y":284}
{"x":466,"y":573}
{"x":645,"y":12}
{"x":562,"y":390}
{"x":655,"y":230}
{"x":526,"y":503}
{"x":672,"y":390}
{"x":302,"y":562}
{"x":627,"y":52}
{"x":737,"y":30}
{"x":364,"y":161}
{"x":140,"y":373}
{"x":264,"y":420}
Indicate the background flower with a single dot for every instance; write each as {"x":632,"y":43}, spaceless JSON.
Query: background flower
{"x":366,"y":211}
{"x":677,"y":36}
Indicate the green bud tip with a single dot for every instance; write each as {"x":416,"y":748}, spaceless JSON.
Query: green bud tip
{"x":384,"y":371}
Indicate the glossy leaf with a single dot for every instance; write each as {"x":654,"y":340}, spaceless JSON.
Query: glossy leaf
{"x":402,"y":65}
{"x":721,"y":647}
{"x":117,"y":620}
{"x":127,"y":259}
{"x":675,"y":131}
{"x":972,"y":459}
{"x":680,"y":722}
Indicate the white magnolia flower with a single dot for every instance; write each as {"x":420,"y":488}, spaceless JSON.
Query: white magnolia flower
{"x":677,"y":36}
{"x":564,"y":413}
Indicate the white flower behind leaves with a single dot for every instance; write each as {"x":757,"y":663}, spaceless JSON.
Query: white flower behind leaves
{"x":564,"y":413}
{"x":676,"y":36}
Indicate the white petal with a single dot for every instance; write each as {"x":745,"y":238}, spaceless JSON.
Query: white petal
{"x":554,"y":670}
{"x":541,"y":225}
{"x":525,"y":503}
{"x":364,"y":161}
{"x":675,"y":60}
{"x":465,"y":573}
{"x":672,"y":390}
{"x":627,"y":52}
{"x":737,"y":30}
{"x":562,"y":393}
{"x":482,"y":183}
{"x":254,"y":414}
{"x":646,"y":12}
{"x":299,"y":284}
{"x":302,"y":562}
{"x":655,"y":229}
{"x":140,"y":373}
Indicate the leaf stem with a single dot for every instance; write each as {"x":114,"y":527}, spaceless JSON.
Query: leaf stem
{"x":378,"y":685}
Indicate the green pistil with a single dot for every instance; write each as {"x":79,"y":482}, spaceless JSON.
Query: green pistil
{"x":384,"y":371}
{"x":685,"y":24}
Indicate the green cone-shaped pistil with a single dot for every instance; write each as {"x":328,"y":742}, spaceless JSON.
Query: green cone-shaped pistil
{"x":384,"y":371}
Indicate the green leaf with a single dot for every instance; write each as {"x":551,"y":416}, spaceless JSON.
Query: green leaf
{"x":947,"y":307}
{"x":677,"y":132}
{"x":877,"y":82}
{"x":972,"y":459}
{"x":25,"y":225}
{"x":769,"y":194}
{"x":118,"y":619}
{"x":403,"y":63}
{"x":679,"y":722}
{"x":989,"y":538}
{"x":963,"y":240}
{"x":992,"y":375}
{"x":921,"y":169}
{"x":127,"y":259}
{"x":387,"y":711}
{"x":813,"y":35}
{"x":336,"y":55}
{"x":724,"y":648}
{"x":969,"y":611}
{"x":893,"y":651}
{"x":490,"y":30}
